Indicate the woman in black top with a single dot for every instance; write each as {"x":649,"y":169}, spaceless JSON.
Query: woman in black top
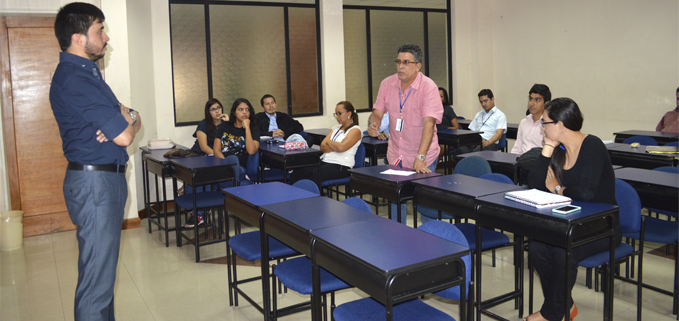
{"x":206,"y":132}
{"x":576,"y":165}
{"x":239,"y":137}
{"x":449,"y":119}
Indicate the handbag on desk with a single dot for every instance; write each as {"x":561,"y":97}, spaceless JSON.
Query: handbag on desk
{"x":179,"y":153}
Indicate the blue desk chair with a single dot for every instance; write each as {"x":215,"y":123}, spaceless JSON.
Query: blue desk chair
{"x":248,"y":246}
{"x":460,"y":118}
{"x":664,"y":232}
{"x":642,"y":140}
{"x":674,"y":143}
{"x":295,"y":273}
{"x":359,"y":162}
{"x":630,"y":222}
{"x":667,"y":169}
{"x":369,"y":309}
{"x":502,"y":143}
{"x":253,"y":171}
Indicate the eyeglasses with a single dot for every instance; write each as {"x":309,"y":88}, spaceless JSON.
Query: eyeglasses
{"x":546,"y":122}
{"x":338,"y":114}
{"x":215,"y":109}
{"x":405,"y":62}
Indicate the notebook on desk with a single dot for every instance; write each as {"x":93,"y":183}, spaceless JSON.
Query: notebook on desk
{"x":537,"y":198}
{"x":662,"y":149}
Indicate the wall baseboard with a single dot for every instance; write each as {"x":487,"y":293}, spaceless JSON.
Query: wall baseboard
{"x":129,"y":223}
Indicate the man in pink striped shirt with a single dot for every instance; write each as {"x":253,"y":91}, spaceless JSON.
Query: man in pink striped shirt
{"x":414,"y":105}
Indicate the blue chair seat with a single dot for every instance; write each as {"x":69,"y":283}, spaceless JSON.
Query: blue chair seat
{"x":247,"y":246}
{"x":338,"y":181}
{"x":642,"y":140}
{"x":431,"y":213}
{"x":369,"y":309}
{"x":490,"y":238}
{"x":658,"y":231}
{"x":203,"y":200}
{"x":296,"y":275}
{"x":600,"y":259}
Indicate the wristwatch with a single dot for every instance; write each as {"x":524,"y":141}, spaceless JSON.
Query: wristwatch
{"x":421,"y":157}
{"x":557,"y":189}
{"x":134,"y":118}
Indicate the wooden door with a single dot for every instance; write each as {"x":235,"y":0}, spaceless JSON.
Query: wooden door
{"x":35,"y":162}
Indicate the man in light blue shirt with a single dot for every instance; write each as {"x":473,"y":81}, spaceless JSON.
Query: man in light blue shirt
{"x":491,"y":122}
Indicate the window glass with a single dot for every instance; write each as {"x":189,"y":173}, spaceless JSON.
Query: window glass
{"x":303,"y":60}
{"x":356,"y":59}
{"x":189,"y":61}
{"x":248,"y":54}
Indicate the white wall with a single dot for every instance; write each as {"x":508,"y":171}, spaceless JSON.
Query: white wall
{"x":619,"y":60}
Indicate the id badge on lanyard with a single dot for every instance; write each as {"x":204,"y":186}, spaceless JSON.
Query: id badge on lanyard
{"x":399,"y":121}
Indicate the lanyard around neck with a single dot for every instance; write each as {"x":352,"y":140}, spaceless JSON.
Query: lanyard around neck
{"x":401,"y":104}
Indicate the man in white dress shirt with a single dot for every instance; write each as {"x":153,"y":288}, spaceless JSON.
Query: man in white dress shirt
{"x":491,"y":122}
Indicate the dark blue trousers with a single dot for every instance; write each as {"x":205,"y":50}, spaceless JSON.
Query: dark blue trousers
{"x":96,"y":204}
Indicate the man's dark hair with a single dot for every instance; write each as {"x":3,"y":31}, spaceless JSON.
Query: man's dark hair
{"x":413,"y":50}
{"x":76,"y":17}
{"x":541,"y":90}
{"x":486,"y":92}
{"x":261,"y":101}
{"x":677,"y":90}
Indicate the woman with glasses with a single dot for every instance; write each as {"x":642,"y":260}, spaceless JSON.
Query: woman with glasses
{"x":339,"y":147}
{"x":207,"y":128}
{"x":576,"y":165}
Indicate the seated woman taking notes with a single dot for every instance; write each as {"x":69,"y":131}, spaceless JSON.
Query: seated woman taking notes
{"x":339,"y":147}
{"x":239,"y":137}
{"x":578,"y":166}
{"x":206,"y":132}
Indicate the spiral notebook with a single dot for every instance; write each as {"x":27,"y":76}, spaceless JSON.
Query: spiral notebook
{"x":537,"y":198}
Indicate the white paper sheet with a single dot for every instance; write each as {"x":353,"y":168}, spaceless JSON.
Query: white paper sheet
{"x":397,"y":172}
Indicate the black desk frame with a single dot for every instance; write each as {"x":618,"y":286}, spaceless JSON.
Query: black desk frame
{"x":571,"y":235}
{"x":162,"y":170}
{"x":390,"y":289}
{"x":451,"y":141}
{"x":290,"y":161}
{"x":200,"y":177}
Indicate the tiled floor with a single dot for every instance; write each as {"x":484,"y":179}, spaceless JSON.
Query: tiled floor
{"x":158,"y":283}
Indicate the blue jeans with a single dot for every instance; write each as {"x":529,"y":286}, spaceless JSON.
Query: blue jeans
{"x":96,"y":204}
{"x":404,"y":212}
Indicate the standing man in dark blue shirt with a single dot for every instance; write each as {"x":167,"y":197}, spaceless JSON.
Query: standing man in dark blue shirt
{"x":95,"y":129}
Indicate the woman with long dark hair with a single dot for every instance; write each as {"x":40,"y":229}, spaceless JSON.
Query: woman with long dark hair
{"x":449,"y":119}
{"x":339,"y":146}
{"x":207,"y":128}
{"x":239,"y":137}
{"x":576,"y":165}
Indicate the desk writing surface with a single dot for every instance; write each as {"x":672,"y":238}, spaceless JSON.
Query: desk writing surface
{"x":588,"y":208}
{"x":493,"y":156}
{"x":375,"y":171}
{"x":456,"y":132}
{"x":648,"y":176}
{"x":374,"y":140}
{"x":387,"y":246}
{"x":654,"y":134}
{"x":197,"y":162}
{"x":267,"y":193}
{"x":319,"y":212}
{"x":466,"y":185}
{"x":464,"y":123}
